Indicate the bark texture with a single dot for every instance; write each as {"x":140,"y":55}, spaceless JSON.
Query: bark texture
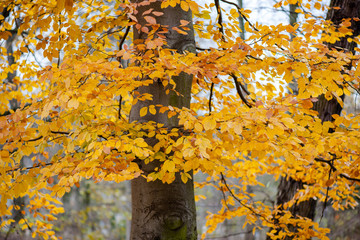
{"x":326,"y":108}
{"x":163,"y":211}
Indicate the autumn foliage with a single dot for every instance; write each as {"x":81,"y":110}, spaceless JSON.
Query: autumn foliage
{"x":77,"y":72}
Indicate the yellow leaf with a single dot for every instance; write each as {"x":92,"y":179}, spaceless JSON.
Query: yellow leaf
{"x":143,"y":111}
{"x":60,"y":5}
{"x":169,"y":166}
{"x":61,"y":192}
{"x":152,"y":110}
{"x":140,"y":142}
{"x":317,"y":5}
{"x":184,"y":6}
{"x":73,"y":103}
{"x":209,"y":123}
{"x":198,"y":127}
{"x":238,"y":129}
{"x":184,"y":177}
{"x":168,"y":149}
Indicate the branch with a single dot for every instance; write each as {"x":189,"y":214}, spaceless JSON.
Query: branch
{"x":350,"y":85}
{"x":239,"y":201}
{"x":27,"y":168}
{"x":109,"y":32}
{"x":241,"y":14}
{"x":210,"y":97}
{"x":124,"y":37}
{"x":119,"y":59}
{"x":238,"y":89}
{"x":203,"y":49}
{"x":119,"y":111}
{"x":243,"y":88}
{"x":6,"y":113}
{"x":218,"y":9}
{"x":334,"y":169}
{"x":61,"y":132}
{"x":326,"y":197}
{"x":5,"y":13}
{"x":54,"y":132}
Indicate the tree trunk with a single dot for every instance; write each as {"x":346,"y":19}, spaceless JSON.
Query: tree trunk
{"x":326,"y":108}
{"x":159,"y":210}
{"x":241,"y":21}
{"x":19,"y":202}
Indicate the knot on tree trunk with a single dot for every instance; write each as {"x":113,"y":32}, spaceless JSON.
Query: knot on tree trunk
{"x":173,"y":222}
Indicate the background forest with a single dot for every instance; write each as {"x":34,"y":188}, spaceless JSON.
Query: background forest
{"x":116,"y":116}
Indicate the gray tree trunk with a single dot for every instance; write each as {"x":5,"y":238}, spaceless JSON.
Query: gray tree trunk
{"x":19,"y":202}
{"x":288,"y":188}
{"x":164,"y":211}
{"x":241,"y":21}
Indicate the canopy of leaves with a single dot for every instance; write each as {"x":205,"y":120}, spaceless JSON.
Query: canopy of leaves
{"x":75,"y":94}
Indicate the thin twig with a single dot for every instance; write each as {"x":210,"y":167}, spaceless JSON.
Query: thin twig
{"x":326,"y":197}
{"x":210,"y":97}
{"x":119,"y":111}
{"x":239,"y":201}
{"x":27,"y":168}
{"x":59,"y":50}
{"x":242,"y":15}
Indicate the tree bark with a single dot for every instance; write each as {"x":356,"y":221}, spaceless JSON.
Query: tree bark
{"x":163,"y":211}
{"x":325,"y":108}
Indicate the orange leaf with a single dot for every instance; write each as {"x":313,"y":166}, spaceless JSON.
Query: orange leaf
{"x":150,"y":20}
{"x":158,"y":13}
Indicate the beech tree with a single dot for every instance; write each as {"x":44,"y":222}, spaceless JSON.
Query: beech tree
{"x":162,"y":211}
{"x":137,"y":123}
{"x":325,"y":106}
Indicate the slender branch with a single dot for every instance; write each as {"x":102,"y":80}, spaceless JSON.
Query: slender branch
{"x":350,"y":85}
{"x":54,"y":132}
{"x":108,"y":33}
{"x":6,"y":113}
{"x":59,"y":50}
{"x":224,"y":197}
{"x":239,"y":201}
{"x":242,"y":15}
{"x":326,"y":197}
{"x":238,"y":89}
{"x":203,"y":49}
{"x":61,"y":132}
{"x":119,"y":59}
{"x":210,"y":97}
{"x":244,"y":88}
{"x":27,"y":168}
{"x":220,"y":22}
{"x":334,"y":169}
{"x":124,"y":37}
{"x":34,"y":139}
{"x":119,"y":111}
